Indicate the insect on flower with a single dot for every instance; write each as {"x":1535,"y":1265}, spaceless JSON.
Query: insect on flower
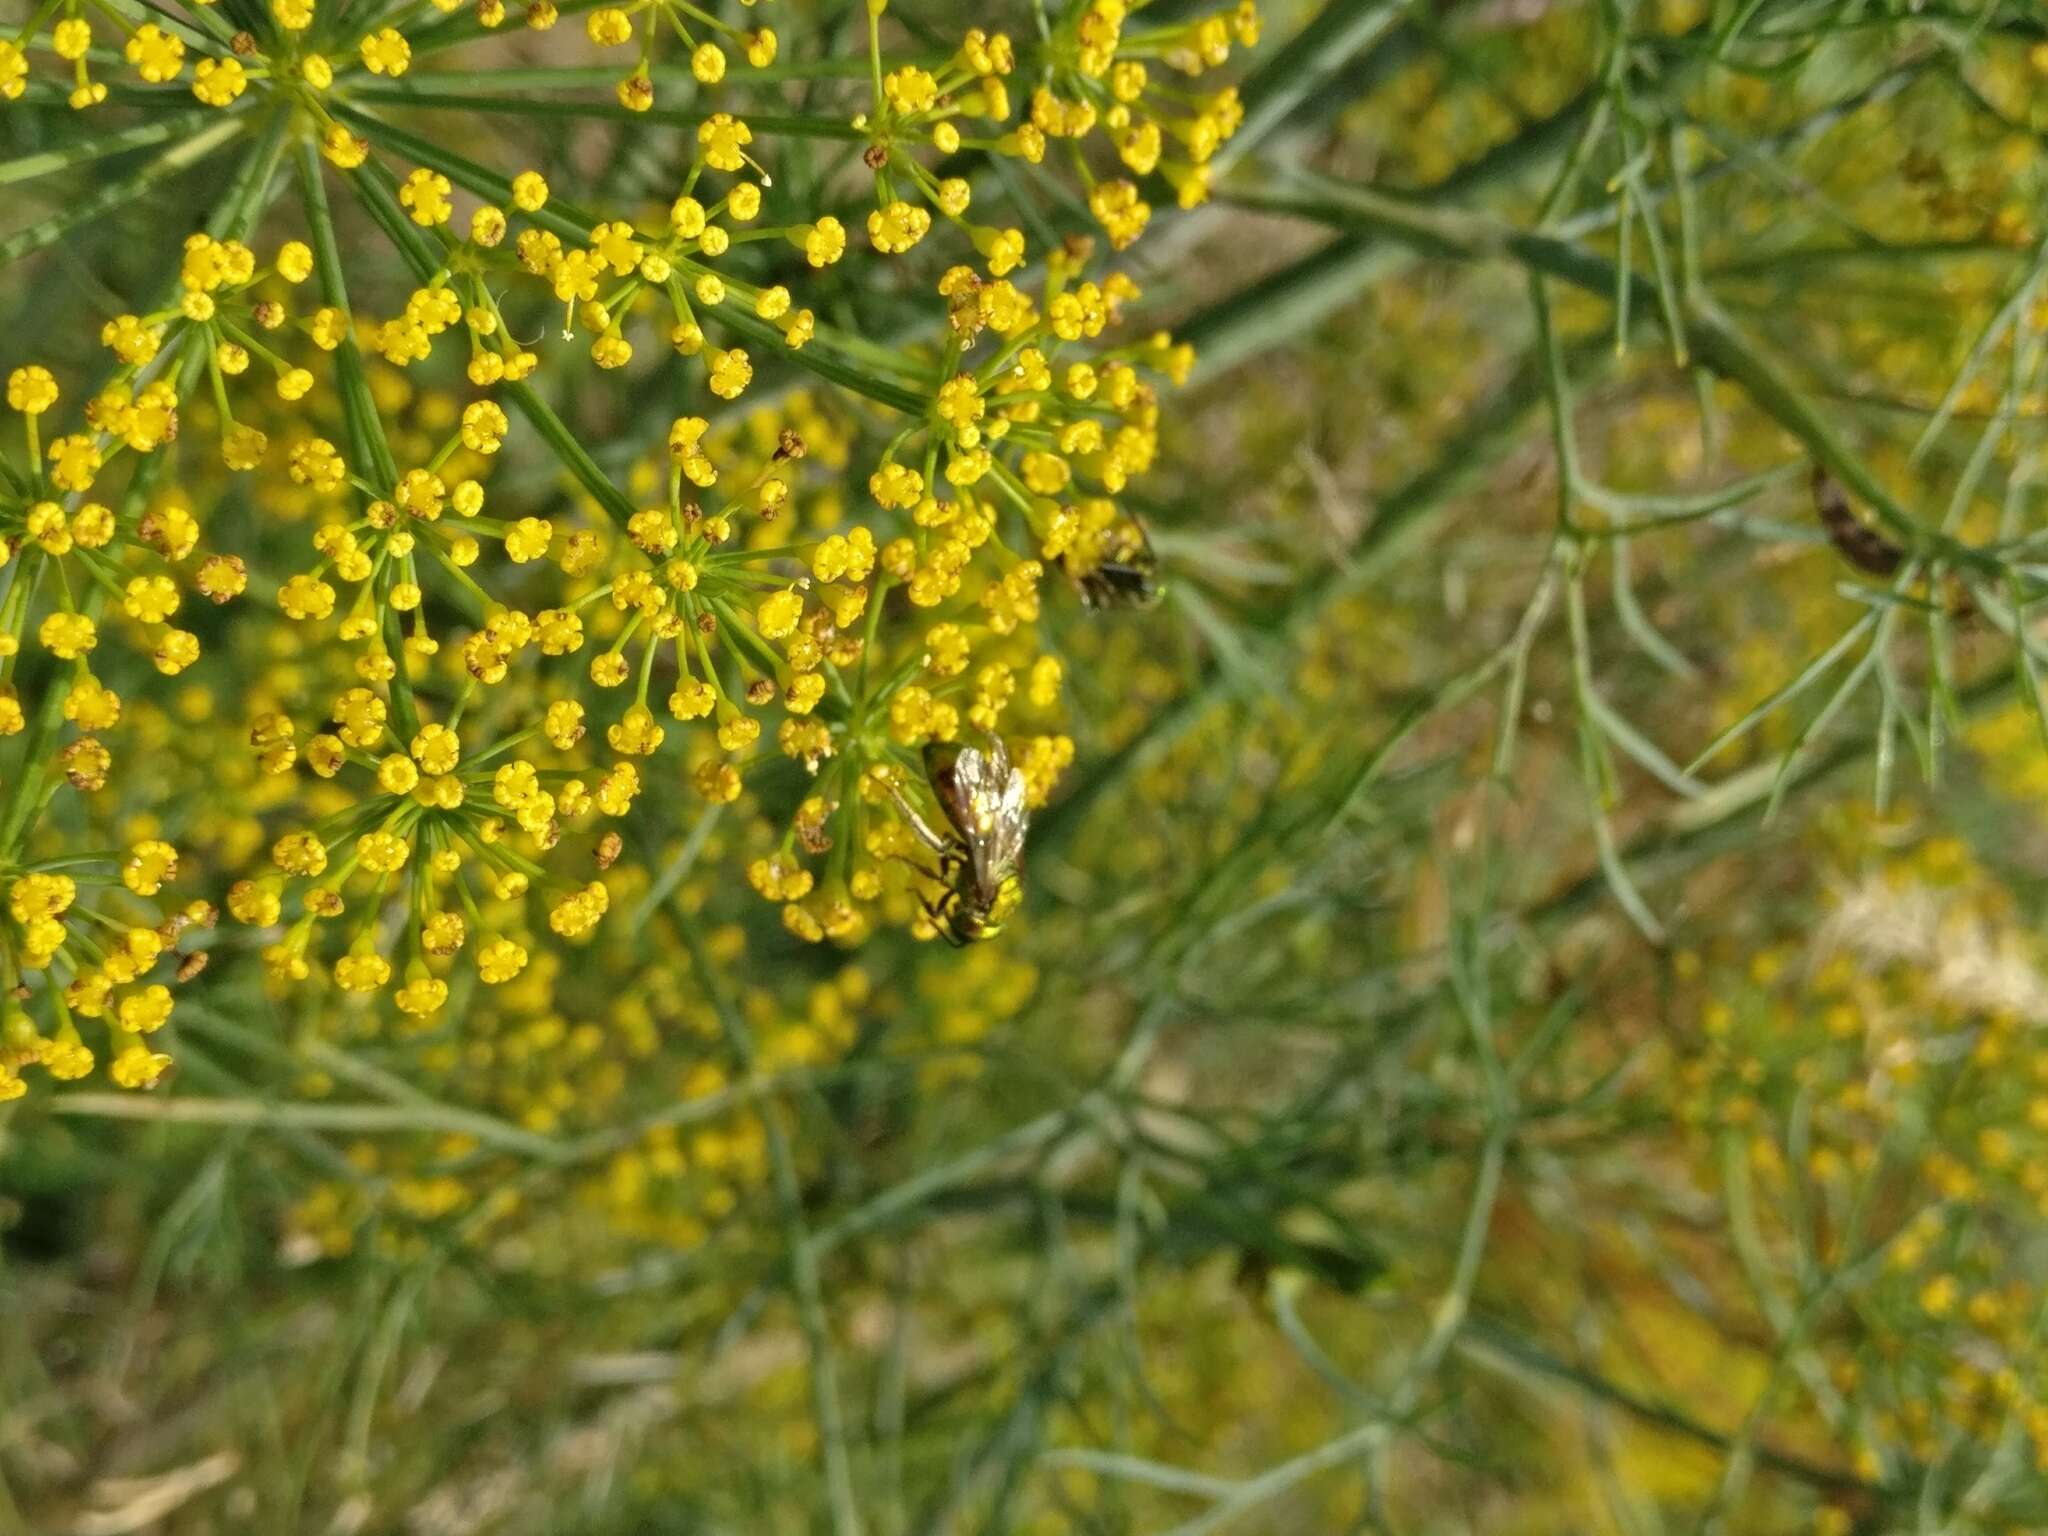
{"x":981,"y":861}
{"x":1124,"y":572}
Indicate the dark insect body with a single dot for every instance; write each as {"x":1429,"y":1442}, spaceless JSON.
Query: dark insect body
{"x":1125,"y":573}
{"x":1858,"y":543}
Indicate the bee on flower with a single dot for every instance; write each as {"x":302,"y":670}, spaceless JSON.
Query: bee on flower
{"x":1049,"y":428}
{"x":826,"y":617}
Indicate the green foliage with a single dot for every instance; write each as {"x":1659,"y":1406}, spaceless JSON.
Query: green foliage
{"x":1523,"y":1013}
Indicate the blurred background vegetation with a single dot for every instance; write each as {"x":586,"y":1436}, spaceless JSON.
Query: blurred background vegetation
{"x":1525,"y":1014}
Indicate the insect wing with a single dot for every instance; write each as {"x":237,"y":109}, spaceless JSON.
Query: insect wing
{"x":942,"y":768}
{"x":1006,"y":842}
{"x":983,"y":797}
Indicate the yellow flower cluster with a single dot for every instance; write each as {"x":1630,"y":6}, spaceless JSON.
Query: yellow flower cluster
{"x":1891,"y":1053}
{"x":1095,"y":74}
{"x":482,"y":686}
{"x":97,"y":965}
{"x":614,"y":27}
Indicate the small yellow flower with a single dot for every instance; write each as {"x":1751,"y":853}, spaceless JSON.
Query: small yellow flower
{"x":67,"y":635}
{"x":361,"y":971}
{"x":499,"y":960}
{"x":243,"y":447}
{"x":345,"y":149}
{"x":386,"y":52}
{"x":898,"y":227}
{"x":31,"y":390}
{"x":823,"y":243}
{"x":609,"y":27}
{"x":529,"y":539}
{"x":777,"y":615}
{"x":13,"y":71}
{"x":731,"y":371}
{"x":421,"y":996}
{"x":136,"y":1066}
{"x":146,"y":1011}
{"x":157,"y":55}
{"x":295,"y":261}
{"x":529,"y":192}
{"x":219,"y":82}
{"x":484,"y":425}
{"x":71,"y":38}
{"x":425,"y":196}
{"x":724,"y":139}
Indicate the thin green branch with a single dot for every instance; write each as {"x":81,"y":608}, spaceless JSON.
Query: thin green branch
{"x":1714,"y":343}
{"x":797,"y":1242}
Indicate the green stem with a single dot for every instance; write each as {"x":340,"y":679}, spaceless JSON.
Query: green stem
{"x":1714,"y":343}
{"x":180,"y":157}
{"x":368,"y":445}
{"x":803,"y":1260}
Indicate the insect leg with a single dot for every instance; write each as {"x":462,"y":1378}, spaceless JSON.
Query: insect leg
{"x":923,"y":871}
{"x":940,"y":913}
{"x":917,"y":823}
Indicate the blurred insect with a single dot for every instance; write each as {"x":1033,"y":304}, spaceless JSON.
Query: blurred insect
{"x":981,"y":859}
{"x":1868,"y":550}
{"x":1124,"y":573}
{"x":1859,"y":544}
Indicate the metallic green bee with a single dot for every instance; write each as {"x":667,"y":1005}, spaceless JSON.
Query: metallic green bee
{"x":1125,"y":571}
{"x":981,"y":859}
